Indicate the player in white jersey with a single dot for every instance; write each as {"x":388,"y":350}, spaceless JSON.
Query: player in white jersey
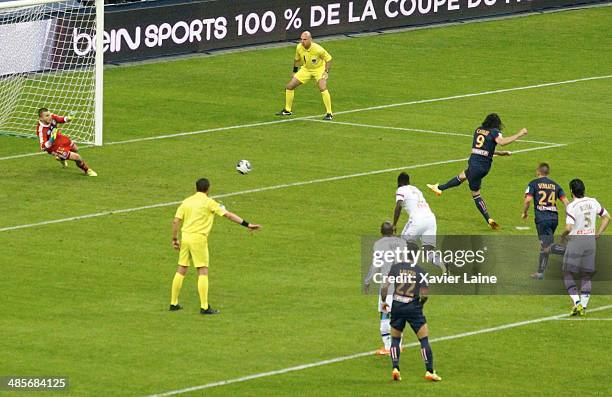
{"x":579,"y":258}
{"x":380,"y":266}
{"x":421,"y":220}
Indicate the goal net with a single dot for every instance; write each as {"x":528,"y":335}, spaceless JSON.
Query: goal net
{"x":48,"y":58}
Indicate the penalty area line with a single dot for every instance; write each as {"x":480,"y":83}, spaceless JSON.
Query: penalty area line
{"x":364,"y":354}
{"x":256,"y":190}
{"x":364,"y":109}
{"x":385,"y":127}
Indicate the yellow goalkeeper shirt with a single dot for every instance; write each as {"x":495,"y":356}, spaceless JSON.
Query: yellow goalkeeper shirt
{"x":312,"y":58}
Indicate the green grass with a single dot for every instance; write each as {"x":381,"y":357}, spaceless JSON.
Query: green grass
{"x":88,"y":298}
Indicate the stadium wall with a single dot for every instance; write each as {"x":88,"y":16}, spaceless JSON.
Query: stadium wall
{"x":156,"y":29}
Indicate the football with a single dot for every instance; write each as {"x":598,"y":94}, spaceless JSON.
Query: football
{"x":243,"y":166}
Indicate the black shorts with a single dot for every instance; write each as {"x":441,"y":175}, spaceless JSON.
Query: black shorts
{"x":475,"y":173}
{"x":546,"y":232}
{"x":411,"y":313}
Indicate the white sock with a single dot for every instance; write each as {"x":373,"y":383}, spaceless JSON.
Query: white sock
{"x":387,"y":341}
{"x":575,"y":299}
{"x":584,"y":299}
{"x":435,"y":259}
{"x":385,"y":332}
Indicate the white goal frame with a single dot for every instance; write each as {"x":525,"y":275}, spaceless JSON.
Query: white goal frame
{"x":99,"y":59}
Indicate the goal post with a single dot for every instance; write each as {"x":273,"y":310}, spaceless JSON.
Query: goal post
{"x":99,"y":73}
{"x":51,"y":56}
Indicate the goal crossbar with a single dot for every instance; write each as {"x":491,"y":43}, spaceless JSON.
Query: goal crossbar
{"x":51,"y":56}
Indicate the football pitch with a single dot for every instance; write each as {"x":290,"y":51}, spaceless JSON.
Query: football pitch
{"x":87,"y":262}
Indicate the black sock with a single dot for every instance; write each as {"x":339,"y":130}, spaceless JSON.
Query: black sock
{"x":452,"y":183}
{"x":557,"y":249}
{"x":543,"y":262}
{"x":482,"y":207}
{"x":427,"y":354}
{"x":395,"y":351}
{"x":82,"y":165}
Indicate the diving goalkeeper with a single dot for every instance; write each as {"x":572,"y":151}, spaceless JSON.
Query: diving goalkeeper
{"x":55,"y":143}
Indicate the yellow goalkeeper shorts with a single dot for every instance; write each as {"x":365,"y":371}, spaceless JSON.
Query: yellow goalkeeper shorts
{"x":303,"y":75}
{"x":194,"y":250}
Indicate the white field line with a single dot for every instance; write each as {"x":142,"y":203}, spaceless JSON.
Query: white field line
{"x":256,"y":190}
{"x":584,"y":319}
{"x":18,"y":156}
{"x":527,"y":87}
{"x":384,"y":127}
{"x":364,"y":354}
{"x":286,"y":120}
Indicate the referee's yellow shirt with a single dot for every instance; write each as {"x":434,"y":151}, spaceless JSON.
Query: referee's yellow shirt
{"x":198,"y":213}
{"x":312,"y":58}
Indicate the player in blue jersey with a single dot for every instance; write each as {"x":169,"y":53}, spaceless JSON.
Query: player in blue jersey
{"x":486,"y":139}
{"x":546,"y":192}
{"x":409,"y":290}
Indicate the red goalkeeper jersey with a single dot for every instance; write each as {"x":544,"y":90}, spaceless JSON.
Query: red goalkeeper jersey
{"x":49,"y":139}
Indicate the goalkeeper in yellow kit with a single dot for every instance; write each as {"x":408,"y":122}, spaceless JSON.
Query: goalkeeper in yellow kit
{"x":315,"y":63}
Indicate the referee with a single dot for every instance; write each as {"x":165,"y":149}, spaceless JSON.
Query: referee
{"x":196,"y":214}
